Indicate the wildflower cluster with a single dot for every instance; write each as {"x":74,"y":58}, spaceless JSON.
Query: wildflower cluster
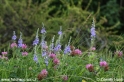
{"x":20,"y":45}
{"x":58,"y":62}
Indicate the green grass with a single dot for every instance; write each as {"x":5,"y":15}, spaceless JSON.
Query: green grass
{"x":20,"y":67}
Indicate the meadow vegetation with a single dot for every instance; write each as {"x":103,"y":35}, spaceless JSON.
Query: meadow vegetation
{"x":60,"y":41}
{"x":54,"y":61}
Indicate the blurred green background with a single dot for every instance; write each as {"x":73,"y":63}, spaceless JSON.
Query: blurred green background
{"x":75,"y":17}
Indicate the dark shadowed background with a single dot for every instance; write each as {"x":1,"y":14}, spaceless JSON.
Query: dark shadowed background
{"x":75,"y":17}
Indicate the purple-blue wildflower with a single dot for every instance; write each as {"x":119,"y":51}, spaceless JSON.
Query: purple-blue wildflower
{"x":52,"y":44}
{"x":67,"y":50}
{"x":14,"y":36}
{"x":93,"y":33}
{"x":60,"y":31}
{"x":51,"y":47}
{"x":43,"y":31}
{"x":36,"y":41}
{"x":43,"y":44}
{"x":35,"y":58}
{"x":57,"y":48}
{"x":44,"y":53}
{"x":20,"y":41}
{"x":46,"y":61}
{"x":92,"y":30}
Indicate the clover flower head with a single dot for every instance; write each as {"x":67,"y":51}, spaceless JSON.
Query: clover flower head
{"x":65,"y":77}
{"x":52,"y":55}
{"x":103,"y":64}
{"x":56,"y":61}
{"x":90,"y":67}
{"x":77,"y":51}
{"x":4,"y":53}
{"x":13,"y":45}
{"x":119,"y":53}
{"x":25,"y":53}
{"x":42,"y":74}
{"x":93,"y":48}
{"x":24,"y":46}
